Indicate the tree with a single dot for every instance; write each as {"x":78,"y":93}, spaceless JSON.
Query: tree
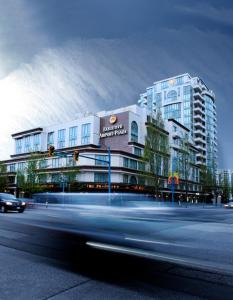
{"x":184,"y":164}
{"x":3,"y":177}
{"x":207,"y":180}
{"x":226,"y":189}
{"x":28,"y":179}
{"x":156,"y":152}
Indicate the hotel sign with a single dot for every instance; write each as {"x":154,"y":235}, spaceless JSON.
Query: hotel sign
{"x":114,"y":130}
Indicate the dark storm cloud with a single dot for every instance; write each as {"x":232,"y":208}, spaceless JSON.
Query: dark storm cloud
{"x":121,"y":18}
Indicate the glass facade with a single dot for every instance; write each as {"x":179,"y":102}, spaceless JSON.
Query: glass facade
{"x":56,"y":162}
{"x":12,"y":168}
{"x":86,"y":134}
{"x":21,"y":166}
{"x":61,"y":138}
{"x":18,"y":145}
{"x":101,"y":177}
{"x":173,"y":111}
{"x":73,"y":136}
{"x":172,"y":96}
{"x":189,"y":101}
{"x":210,"y":130}
{"x":27,"y":144}
{"x":36,"y":142}
{"x":134,"y":132}
{"x":50,"y":139}
{"x":188,"y":109}
{"x":103,"y":160}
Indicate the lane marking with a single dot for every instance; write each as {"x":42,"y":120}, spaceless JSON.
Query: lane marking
{"x":134,"y":251}
{"x":155,"y":242}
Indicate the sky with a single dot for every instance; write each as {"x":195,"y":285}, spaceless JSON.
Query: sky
{"x":59,"y":59}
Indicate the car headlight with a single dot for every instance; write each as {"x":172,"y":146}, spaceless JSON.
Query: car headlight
{"x":8,"y":203}
{"x":23,"y":203}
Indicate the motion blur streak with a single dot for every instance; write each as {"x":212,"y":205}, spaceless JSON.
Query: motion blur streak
{"x":139,"y":225}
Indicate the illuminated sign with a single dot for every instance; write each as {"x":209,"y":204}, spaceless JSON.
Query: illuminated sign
{"x":111,"y":131}
{"x":113,"y":119}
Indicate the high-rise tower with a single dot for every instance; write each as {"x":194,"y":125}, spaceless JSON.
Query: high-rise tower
{"x":189,"y":101}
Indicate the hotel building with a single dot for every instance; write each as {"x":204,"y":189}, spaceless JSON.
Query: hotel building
{"x":123,"y":130}
{"x":190,"y":102}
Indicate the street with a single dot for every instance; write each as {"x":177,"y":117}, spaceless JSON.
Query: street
{"x":91,"y":252}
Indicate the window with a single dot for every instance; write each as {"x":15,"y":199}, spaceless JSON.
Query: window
{"x":158,"y":99}
{"x":43,"y":164}
{"x":27,"y":144}
{"x":12,"y":167}
{"x":70,"y":161}
{"x":55,"y":162}
{"x":137,"y":151}
{"x":36,"y":142}
{"x":55,"y":177}
{"x":130,"y":163}
{"x":73,"y":136}
{"x":141,"y":166}
{"x":164,"y":84}
{"x":133,"y":180}
{"x":50,"y":139}
{"x":172,"y":96}
{"x":18,"y":146}
{"x":21,"y":166}
{"x":134,"y":132}
{"x":61,"y":138}
{"x":125,"y":178}
{"x":179,"y":80}
{"x":125,"y":162}
{"x":100,"y":177}
{"x":133,"y":164}
{"x":86,"y":132}
{"x":103,"y":162}
{"x":174,"y":128}
{"x":172,"y":111}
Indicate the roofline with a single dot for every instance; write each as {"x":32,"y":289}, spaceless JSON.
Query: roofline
{"x":169,"y":78}
{"x":179,"y":124}
{"x":40,"y":129}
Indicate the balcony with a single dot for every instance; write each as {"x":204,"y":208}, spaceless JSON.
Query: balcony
{"x":199,"y":125}
{"x":197,"y":87}
{"x":198,"y":96}
{"x":200,"y":146}
{"x":198,"y":118}
{"x":199,"y":140}
{"x":199,"y":132}
{"x":198,"y":102}
{"x":198,"y":110}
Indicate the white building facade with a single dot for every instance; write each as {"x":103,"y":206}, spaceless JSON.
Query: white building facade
{"x":123,"y":130}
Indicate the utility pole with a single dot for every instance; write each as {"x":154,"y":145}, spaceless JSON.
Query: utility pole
{"x":109,"y":170}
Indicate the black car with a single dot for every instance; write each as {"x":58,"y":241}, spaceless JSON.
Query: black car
{"x":10,"y":202}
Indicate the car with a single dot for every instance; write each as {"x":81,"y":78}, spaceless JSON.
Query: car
{"x":229,"y":204}
{"x":30,"y":203}
{"x":9,"y":202}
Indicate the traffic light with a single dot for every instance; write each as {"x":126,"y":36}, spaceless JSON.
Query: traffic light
{"x":51,"y":150}
{"x":76,"y":155}
{"x":169,"y":178}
